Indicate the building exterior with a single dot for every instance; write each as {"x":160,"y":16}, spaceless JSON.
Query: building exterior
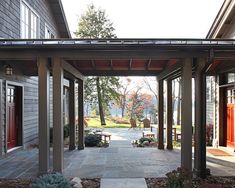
{"x":223,"y":81}
{"x":24,"y":19}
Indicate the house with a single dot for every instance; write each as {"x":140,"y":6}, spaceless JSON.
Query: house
{"x":24,"y":19}
{"x":222,"y":74}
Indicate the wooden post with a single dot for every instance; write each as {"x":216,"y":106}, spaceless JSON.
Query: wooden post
{"x":169,"y":114}
{"x":186,"y":115}
{"x":200,"y":121}
{"x":160,"y":115}
{"x":58,"y":127}
{"x":72,"y":116}
{"x":80,"y":115}
{"x":44,"y":122}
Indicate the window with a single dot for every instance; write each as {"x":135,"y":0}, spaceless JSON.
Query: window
{"x":231,"y":77}
{"x":48,"y":33}
{"x":29,"y":22}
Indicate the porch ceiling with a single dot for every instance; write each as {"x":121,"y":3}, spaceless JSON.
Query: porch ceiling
{"x":122,"y":57}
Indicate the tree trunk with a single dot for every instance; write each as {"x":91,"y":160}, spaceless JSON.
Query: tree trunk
{"x":179,"y":103}
{"x":101,"y":111}
{"x":123,"y":105}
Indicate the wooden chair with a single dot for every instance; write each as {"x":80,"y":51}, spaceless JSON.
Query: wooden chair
{"x":133,"y":123}
{"x":146,"y":123}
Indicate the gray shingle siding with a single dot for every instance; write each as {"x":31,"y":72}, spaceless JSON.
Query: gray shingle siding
{"x":10,"y":17}
{"x":10,"y":29}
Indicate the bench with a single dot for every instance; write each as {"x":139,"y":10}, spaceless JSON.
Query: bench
{"x":148,"y":134}
{"x":104,"y":135}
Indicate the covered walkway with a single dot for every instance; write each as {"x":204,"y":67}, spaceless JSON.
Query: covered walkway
{"x":165,"y":58}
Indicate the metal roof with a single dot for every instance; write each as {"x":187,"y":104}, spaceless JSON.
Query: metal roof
{"x":116,"y":42}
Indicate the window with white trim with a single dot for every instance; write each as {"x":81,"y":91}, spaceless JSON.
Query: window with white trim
{"x":29,"y":22}
{"x":48,"y":33}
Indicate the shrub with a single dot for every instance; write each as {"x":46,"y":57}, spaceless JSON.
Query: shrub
{"x":66,"y":132}
{"x":92,"y":140}
{"x":53,"y":180}
{"x":177,"y":178}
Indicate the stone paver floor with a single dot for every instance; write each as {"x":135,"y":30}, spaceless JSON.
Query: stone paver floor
{"x":123,"y":183}
{"x":120,"y":160}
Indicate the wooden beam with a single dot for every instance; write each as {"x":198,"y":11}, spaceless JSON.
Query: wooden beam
{"x":73,"y":54}
{"x":58,"y":126}
{"x":111,"y":64}
{"x":160,"y":115}
{"x":186,"y":115}
{"x":170,"y":71}
{"x":80,"y":114}
{"x":200,"y":120}
{"x":130,"y":64}
{"x":43,"y":119}
{"x":148,"y":64}
{"x":93,"y":64}
{"x":169,"y":115}
{"x":72,"y":115}
{"x":72,"y":70}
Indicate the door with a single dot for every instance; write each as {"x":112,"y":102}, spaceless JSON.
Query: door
{"x":12,"y":112}
{"x":230,"y":117}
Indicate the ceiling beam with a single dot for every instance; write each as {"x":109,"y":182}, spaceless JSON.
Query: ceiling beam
{"x":111,"y":64}
{"x":93,"y":64}
{"x":148,"y":64}
{"x":130,"y":64}
{"x":169,"y":71}
{"x":72,"y":70}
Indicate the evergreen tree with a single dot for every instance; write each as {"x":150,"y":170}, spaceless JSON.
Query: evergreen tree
{"x":94,"y":24}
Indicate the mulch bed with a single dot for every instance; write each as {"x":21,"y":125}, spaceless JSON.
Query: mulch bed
{"x":91,"y":183}
{"x":210,"y":182}
{"x":15,"y":183}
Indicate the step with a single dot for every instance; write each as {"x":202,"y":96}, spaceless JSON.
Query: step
{"x":123,"y":183}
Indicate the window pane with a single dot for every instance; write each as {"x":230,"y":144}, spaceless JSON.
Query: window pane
{"x":231,"y":77}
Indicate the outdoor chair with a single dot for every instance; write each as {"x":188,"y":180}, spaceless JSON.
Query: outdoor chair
{"x":146,"y":123}
{"x":133,"y":123}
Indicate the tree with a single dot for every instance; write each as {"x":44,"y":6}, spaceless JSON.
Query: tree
{"x":124,"y":90}
{"x":94,"y":24}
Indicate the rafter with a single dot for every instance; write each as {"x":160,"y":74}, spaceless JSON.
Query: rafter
{"x":130,"y":64}
{"x":148,"y":64}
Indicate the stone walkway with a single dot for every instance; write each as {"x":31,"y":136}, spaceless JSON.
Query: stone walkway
{"x":120,"y":160}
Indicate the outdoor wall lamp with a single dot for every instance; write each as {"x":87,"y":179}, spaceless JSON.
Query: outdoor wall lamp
{"x":8,"y":70}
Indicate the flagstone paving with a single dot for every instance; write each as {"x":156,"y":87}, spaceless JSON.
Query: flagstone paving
{"x":119,"y":160}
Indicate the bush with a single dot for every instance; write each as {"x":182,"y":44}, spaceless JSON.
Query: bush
{"x":66,"y":132}
{"x":53,"y":180}
{"x":92,"y":140}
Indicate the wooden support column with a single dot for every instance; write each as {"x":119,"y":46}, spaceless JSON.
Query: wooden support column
{"x":200,"y":120}
{"x":80,"y":115}
{"x":186,"y":115}
{"x":169,"y":114}
{"x":44,"y":123}
{"x":160,"y":115}
{"x":58,"y":127}
{"x":72,"y":116}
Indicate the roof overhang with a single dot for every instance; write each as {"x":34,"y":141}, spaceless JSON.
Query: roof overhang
{"x":59,"y":15}
{"x":223,"y":20}
{"x":117,"y":57}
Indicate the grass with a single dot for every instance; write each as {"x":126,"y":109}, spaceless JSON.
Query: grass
{"x":95,"y":123}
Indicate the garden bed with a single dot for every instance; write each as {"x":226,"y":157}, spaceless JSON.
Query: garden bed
{"x":209,"y":182}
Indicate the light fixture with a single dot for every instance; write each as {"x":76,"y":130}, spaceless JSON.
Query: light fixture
{"x":8,"y":70}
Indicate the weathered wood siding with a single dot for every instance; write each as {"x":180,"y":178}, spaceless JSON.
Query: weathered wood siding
{"x":10,"y":17}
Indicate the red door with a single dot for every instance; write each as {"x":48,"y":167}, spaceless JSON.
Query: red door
{"x":230,"y":117}
{"x":12,"y":115}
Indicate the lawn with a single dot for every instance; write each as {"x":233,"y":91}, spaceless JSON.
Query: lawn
{"x":94,"y":122}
